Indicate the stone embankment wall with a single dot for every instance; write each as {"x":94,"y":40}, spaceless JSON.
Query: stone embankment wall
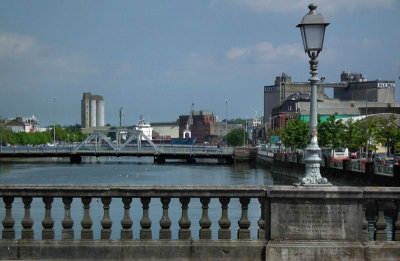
{"x":347,"y":171}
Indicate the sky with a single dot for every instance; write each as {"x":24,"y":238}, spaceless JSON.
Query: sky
{"x":156,"y":58}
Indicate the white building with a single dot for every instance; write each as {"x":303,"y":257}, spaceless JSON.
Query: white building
{"x":19,"y":124}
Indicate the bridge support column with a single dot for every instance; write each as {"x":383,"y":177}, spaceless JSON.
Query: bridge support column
{"x":75,"y":159}
{"x":159,"y":159}
{"x":190,"y":160}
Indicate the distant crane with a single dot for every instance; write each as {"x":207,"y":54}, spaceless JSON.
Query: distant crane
{"x":187,"y":132}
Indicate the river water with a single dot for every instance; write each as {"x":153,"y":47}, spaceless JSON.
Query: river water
{"x":134,"y":171}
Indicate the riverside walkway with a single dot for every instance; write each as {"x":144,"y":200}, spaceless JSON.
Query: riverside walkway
{"x":294,"y":223}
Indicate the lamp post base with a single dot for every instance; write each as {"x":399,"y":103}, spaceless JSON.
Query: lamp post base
{"x":313,"y":176}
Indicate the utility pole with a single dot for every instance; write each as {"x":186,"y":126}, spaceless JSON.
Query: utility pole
{"x":54,"y":121}
{"x":226,"y":117}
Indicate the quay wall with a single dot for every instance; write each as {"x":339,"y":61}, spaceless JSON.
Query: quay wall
{"x":353,"y":171}
{"x":292,"y":223}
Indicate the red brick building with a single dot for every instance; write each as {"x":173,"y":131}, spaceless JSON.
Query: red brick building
{"x":201,"y":128}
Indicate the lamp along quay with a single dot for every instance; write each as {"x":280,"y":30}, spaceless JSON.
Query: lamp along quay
{"x":312,"y":29}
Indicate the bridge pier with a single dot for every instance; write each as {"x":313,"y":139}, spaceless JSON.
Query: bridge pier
{"x":190,"y":160}
{"x":75,"y":159}
{"x":159,"y":159}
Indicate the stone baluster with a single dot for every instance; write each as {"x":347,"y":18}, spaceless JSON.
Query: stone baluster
{"x":205,"y":222}
{"x":86,"y":223}
{"x":184,"y":222}
{"x":261,"y":221}
{"x":67,"y":223}
{"x":145,"y":222}
{"x":381,"y":234}
{"x":106,"y":222}
{"x":8,"y":222}
{"x":224,"y":223}
{"x":126,"y":222}
{"x":244,"y":222}
{"x":364,"y":222}
{"x":396,"y":235}
{"x":27,"y":221}
{"x":165,"y":222}
{"x":48,"y":222}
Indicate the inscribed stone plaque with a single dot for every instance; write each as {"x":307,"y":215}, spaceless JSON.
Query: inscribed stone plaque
{"x":315,"y":219}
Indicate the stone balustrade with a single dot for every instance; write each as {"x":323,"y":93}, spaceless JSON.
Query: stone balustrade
{"x":361,"y":216}
{"x":146,"y":194}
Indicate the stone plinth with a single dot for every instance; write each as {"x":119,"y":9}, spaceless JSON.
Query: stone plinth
{"x":315,"y":223}
{"x":309,"y":250}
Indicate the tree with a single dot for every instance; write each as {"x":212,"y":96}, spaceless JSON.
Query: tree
{"x":356,"y":135}
{"x":237,"y":137}
{"x":295,"y":134}
{"x":331,"y":133}
{"x":387,"y":133}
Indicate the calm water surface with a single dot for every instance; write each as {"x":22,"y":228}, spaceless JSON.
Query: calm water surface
{"x":134,"y":171}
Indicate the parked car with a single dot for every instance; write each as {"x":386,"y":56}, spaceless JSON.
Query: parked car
{"x":396,"y":159}
{"x":384,"y":160}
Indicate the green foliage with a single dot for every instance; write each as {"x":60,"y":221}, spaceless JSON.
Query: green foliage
{"x":331,"y":133}
{"x":295,"y":134}
{"x":23,"y":138}
{"x":273,"y":132}
{"x":237,"y":137}
{"x":241,"y":121}
{"x":67,"y":134}
{"x":387,"y":133}
{"x":354,"y":135}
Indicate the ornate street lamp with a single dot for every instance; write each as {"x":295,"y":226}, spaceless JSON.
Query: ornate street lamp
{"x":312,"y":29}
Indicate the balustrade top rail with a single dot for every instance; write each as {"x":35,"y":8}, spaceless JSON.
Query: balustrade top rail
{"x":131,"y":191}
{"x":282,"y":191}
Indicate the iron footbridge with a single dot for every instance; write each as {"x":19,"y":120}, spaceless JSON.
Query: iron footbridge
{"x":118,"y":143}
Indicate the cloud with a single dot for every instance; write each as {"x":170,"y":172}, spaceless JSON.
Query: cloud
{"x":25,"y":62}
{"x":372,"y":43}
{"x":265,"y":52}
{"x":245,"y":60}
{"x":291,"y":6}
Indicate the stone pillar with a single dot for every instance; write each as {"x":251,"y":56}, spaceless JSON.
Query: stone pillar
{"x":165,"y":222}
{"x":261,"y":221}
{"x":396,"y":236}
{"x":184,"y":222}
{"x":145,"y":222}
{"x":106,"y":222}
{"x":381,"y":234}
{"x":205,"y":222}
{"x":8,"y":222}
{"x":67,"y":223}
{"x":244,"y":223}
{"x":224,"y":232}
{"x":48,"y":222}
{"x":86,"y":223}
{"x":27,"y":221}
{"x":365,"y":234}
{"x":126,"y":222}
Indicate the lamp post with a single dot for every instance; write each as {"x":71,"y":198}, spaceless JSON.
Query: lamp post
{"x":226,"y":117}
{"x":54,"y":121}
{"x":312,"y":29}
